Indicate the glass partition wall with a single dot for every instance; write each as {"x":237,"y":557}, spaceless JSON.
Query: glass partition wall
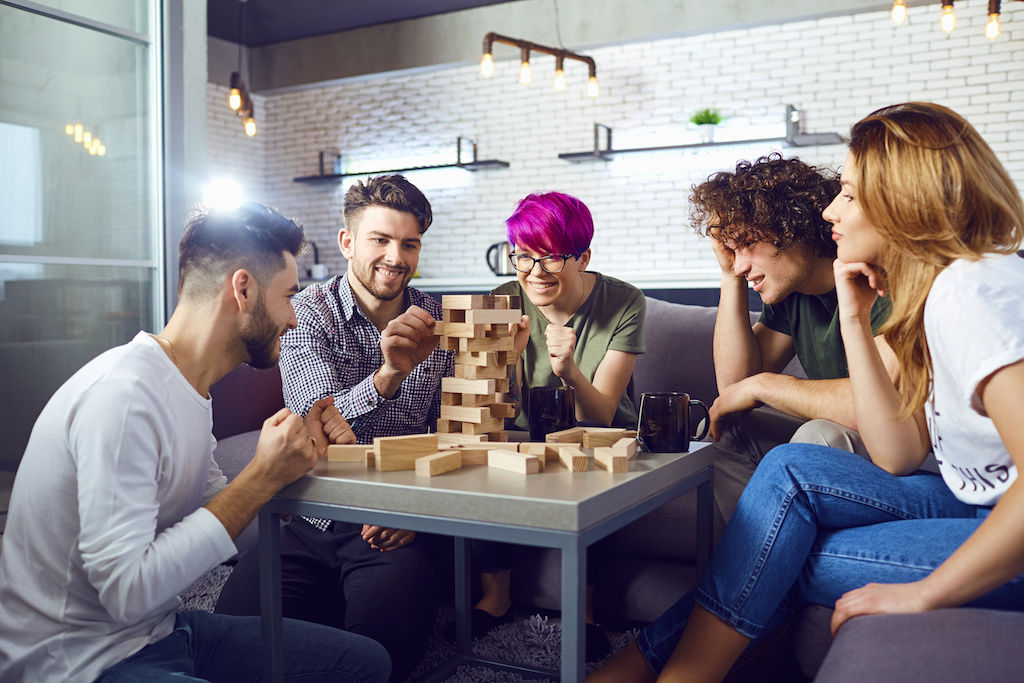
{"x":80,"y":247}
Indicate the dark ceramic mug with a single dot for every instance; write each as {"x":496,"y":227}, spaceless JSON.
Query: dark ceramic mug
{"x":664,"y":424}
{"x":551,"y":409}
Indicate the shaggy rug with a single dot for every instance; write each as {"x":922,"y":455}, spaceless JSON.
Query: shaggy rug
{"x":534,"y":641}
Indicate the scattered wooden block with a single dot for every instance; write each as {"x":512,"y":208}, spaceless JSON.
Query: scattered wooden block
{"x":546,"y":450}
{"x":607,"y":458}
{"x":627,"y":447}
{"x":438,"y":463}
{"x":348,"y":452}
{"x":400,"y":452}
{"x":452,"y":438}
{"x":493,"y":317}
{"x":466,"y":414}
{"x":473,"y":454}
{"x":371,"y":460}
{"x":571,"y":435}
{"x":573,"y":458}
{"x":596,"y":437}
{"x":456,"y":385}
{"x":513,"y":461}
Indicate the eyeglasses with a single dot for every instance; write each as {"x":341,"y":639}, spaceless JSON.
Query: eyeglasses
{"x":549,"y":264}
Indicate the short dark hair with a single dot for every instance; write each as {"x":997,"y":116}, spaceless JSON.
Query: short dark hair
{"x":217,"y":242}
{"x":391,"y":191}
{"x":773,"y":200}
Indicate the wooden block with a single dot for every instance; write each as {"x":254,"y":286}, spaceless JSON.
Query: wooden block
{"x":503,"y":409}
{"x":495,"y":425}
{"x":608,"y":459}
{"x":626,"y":447}
{"x":493,"y":317}
{"x":449,"y":344}
{"x":467,"y":301}
{"x":439,"y":328}
{"x":371,"y":460}
{"x":501,"y":385}
{"x":508,"y":301}
{"x":467,"y":414}
{"x":446,"y":426}
{"x":546,"y":450}
{"x":457,"y":385}
{"x":487,"y":344}
{"x":574,"y":459}
{"x":571,"y":435}
{"x":465,"y":330}
{"x":472,"y":454}
{"x":348,"y":452}
{"x":513,"y":461}
{"x":477,"y":372}
{"x":438,"y":463}
{"x":400,"y":452}
{"x":498,"y":437}
{"x":593,"y":437}
{"x":454,"y":438}
{"x":451,"y":315}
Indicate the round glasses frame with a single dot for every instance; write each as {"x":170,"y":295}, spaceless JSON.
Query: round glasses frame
{"x":545,"y":262}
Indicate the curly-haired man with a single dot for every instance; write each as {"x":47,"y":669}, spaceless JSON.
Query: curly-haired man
{"x":767,"y":231}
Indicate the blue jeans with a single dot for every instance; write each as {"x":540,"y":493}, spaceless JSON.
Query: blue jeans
{"x":813,"y":524}
{"x":215,"y":647}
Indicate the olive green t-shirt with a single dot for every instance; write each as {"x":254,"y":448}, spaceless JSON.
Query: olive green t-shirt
{"x":611,"y":319}
{"x":813,"y":323}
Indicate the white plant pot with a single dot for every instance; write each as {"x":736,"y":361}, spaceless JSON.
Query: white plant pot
{"x":707,"y":132}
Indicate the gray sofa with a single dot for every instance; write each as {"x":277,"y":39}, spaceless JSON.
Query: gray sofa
{"x":642,"y":569}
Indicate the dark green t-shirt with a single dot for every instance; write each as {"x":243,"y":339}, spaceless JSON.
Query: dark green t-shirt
{"x":611,"y":319}
{"x":813,"y":323}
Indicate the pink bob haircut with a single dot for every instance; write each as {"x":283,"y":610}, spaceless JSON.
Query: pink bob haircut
{"x":553,"y":223}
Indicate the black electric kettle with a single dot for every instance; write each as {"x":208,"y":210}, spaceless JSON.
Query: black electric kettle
{"x":497,"y":259}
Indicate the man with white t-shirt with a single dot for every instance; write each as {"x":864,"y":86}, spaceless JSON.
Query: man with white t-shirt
{"x":118,"y":505}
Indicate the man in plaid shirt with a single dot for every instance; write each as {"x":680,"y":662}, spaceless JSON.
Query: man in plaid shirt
{"x":367,"y":339}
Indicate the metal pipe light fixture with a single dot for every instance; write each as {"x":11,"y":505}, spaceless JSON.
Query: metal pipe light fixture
{"x":525,"y":68}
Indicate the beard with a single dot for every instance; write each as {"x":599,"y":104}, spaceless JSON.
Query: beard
{"x":366,"y":277}
{"x":261,"y":337}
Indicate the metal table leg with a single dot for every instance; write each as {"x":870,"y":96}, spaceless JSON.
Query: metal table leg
{"x":270,"y":597}
{"x":574,"y":592}
{"x":462,"y":597}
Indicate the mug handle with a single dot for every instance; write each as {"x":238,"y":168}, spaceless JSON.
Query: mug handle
{"x":639,"y":417}
{"x":707,"y":418}
{"x":493,"y":265}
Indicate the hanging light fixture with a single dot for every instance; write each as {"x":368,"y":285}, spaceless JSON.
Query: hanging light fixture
{"x":899,"y":11}
{"x":525,"y":67}
{"x":992,"y":29}
{"x":238,"y":95}
{"x":948,"y":20}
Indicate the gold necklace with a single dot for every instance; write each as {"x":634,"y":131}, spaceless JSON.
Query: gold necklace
{"x":170,"y":347}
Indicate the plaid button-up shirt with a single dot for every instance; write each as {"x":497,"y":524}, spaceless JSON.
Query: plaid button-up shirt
{"x":335,"y":351}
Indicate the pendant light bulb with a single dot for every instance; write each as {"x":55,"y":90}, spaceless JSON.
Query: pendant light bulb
{"x":899,"y":11}
{"x":79,"y":132}
{"x":992,"y":30}
{"x":235,"y":99}
{"x":487,"y":65}
{"x":101,"y":151}
{"x":592,"y":89}
{"x":948,"y":18}
{"x":86,"y":139}
{"x":559,"y":80}
{"x":250,"y":126}
{"x":69,"y":129}
{"x":525,"y":73}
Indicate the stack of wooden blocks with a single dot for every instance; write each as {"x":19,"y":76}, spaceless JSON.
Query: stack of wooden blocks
{"x":475,"y":327}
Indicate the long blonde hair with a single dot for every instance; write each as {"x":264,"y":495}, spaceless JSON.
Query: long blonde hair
{"x":935,"y":192}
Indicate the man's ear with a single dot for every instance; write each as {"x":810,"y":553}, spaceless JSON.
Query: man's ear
{"x":584,"y":259}
{"x":346,"y":239}
{"x":243,"y":289}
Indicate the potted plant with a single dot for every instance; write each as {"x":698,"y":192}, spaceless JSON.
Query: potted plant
{"x":706,"y":120}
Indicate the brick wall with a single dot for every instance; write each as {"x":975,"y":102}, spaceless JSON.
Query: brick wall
{"x":836,"y":70}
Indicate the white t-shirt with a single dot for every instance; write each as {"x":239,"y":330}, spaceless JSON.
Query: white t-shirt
{"x":974,"y":322}
{"x":105,"y":526}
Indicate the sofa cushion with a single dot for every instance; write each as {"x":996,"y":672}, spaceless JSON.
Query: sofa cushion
{"x":953,"y":645}
{"x":678,"y":357}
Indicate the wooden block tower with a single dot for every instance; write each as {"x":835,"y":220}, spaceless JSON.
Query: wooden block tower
{"x":476,"y":329}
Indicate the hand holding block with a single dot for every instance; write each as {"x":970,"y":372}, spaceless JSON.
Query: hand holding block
{"x":513,"y":462}
{"x":438,"y":463}
{"x":571,"y":435}
{"x":605,"y":457}
{"x":593,"y":438}
{"x":627,"y":447}
{"x":348,"y":453}
{"x":400,"y":452}
{"x":573,"y":458}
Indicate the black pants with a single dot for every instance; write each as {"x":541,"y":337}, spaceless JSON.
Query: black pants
{"x":335,"y":578}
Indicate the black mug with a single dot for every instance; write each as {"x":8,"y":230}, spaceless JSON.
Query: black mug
{"x":664,"y":423}
{"x":551,"y":409}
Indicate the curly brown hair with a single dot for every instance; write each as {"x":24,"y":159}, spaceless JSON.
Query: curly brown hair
{"x":773,"y":200}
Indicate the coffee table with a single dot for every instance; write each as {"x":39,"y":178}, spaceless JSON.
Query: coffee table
{"x":554,"y":509}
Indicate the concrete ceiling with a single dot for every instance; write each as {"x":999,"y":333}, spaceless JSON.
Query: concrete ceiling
{"x":274,"y":21}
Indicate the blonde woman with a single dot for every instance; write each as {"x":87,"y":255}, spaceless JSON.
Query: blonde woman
{"x":927,"y":212}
